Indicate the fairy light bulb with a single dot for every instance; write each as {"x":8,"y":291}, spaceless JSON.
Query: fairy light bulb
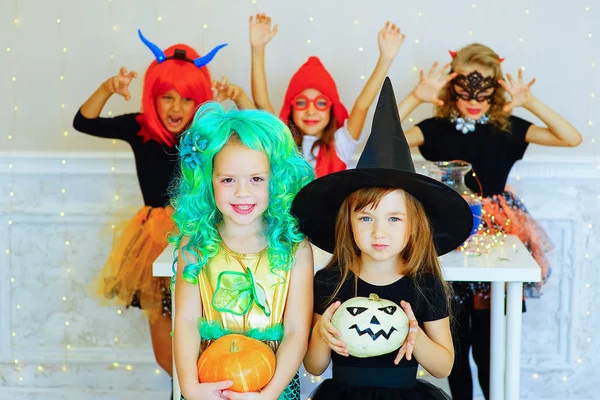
{"x":159,"y":19}
{"x":308,"y":41}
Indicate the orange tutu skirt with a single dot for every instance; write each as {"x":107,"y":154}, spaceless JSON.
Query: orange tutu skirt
{"x":127,"y":279}
{"x":505,"y":214}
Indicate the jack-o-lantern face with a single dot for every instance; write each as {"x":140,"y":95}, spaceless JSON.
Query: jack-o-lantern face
{"x":371,"y":326}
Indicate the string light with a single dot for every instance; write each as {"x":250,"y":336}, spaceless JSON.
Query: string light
{"x":10,"y":58}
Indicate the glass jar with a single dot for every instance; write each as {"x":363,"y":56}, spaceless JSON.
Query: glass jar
{"x":452,"y":173}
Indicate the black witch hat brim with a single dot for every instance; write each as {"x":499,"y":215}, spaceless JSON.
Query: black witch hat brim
{"x":385,"y":162}
{"x":316,"y":206}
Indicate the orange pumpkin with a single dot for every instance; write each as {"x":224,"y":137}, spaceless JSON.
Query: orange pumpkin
{"x":247,"y":362}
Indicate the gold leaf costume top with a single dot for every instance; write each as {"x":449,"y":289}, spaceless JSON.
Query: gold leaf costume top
{"x":240,"y":294}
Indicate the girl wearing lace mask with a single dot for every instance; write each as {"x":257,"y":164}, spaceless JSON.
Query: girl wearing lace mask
{"x":473,"y":122}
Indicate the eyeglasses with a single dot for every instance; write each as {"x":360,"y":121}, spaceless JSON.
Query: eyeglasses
{"x":321,"y":102}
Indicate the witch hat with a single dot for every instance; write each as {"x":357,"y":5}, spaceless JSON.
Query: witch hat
{"x":385,"y":162}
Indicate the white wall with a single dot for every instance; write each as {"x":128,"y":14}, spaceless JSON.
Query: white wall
{"x":561,"y":186}
{"x":555,"y":49}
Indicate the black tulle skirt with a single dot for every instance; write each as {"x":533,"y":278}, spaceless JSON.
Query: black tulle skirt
{"x":332,"y":389}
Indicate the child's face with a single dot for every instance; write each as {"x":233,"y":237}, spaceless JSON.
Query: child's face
{"x":174,"y":110}
{"x":472,"y":108}
{"x":241,"y":184}
{"x":381,"y":233}
{"x":311,"y":112}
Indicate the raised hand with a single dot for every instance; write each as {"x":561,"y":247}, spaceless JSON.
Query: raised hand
{"x":520,"y":92}
{"x":428,"y":88}
{"x":226,"y":90}
{"x":413,"y":330}
{"x":119,"y":84}
{"x":261,"y":31}
{"x":390,"y":40}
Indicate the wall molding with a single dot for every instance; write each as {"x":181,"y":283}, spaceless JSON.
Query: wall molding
{"x":101,"y":163}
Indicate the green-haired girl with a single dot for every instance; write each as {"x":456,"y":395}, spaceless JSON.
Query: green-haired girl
{"x":242,"y":264}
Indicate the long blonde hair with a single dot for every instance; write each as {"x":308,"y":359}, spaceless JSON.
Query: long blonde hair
{"x":419,"y":256}
{"x":478,"y":55}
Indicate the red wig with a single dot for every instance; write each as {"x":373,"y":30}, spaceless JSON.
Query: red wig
{"x":180,"y":75}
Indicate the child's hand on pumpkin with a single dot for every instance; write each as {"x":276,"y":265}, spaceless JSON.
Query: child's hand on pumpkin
{"x":207,"y":391}
{"x":413,"y":331}
{"x":329,"y":333}
{"x":243,"y":396}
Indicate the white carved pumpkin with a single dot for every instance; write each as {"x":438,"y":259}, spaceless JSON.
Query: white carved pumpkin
{"x":371,"y":326}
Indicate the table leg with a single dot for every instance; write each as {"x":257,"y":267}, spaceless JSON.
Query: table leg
{"x":498,"y":341}
{"x":176,"y":390}
{"x":514,"y":312}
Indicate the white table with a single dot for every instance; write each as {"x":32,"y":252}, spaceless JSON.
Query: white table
{"x":509,"y":265}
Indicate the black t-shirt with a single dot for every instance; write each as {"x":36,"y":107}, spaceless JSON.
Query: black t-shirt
{"x":155,"y":162}
{"x":491,"y":151}
{"x":429,"y":303}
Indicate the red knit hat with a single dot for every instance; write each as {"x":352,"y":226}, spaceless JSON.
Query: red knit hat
{"x":313,"y":75}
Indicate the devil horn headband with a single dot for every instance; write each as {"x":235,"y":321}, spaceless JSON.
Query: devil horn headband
{"x":160,"y":56}
{"x":453,"y":54}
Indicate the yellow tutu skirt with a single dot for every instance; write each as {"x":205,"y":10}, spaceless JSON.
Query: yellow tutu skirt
{"x":127,"y":279}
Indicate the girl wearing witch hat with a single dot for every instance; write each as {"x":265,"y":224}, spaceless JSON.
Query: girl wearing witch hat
{"x":175,"y":84}
{"x":386,"y":226}
{"x":322,"y":128}
{"x":473,"y":123}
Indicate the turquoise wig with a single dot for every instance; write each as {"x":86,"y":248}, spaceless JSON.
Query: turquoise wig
{"x":196,"y":214}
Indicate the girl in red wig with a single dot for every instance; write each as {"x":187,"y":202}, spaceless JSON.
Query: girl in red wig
{"x":176,"y":83}
{"x":323,"y":130}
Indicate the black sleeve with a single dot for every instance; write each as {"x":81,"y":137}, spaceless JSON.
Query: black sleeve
{"x":431,"y":129}
{"x":518,"y":128}
{"x":434,"y":305}
{"x":124,"y":127}
{"x":325,"y":282}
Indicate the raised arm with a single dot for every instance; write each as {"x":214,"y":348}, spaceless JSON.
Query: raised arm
{"x":390,"y":40}
{"x":558,"y":131}
{"x":118,"y":84}
{"x":261,"y":34}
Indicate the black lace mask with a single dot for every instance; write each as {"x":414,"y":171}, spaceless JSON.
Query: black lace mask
{"x":474,"y":86}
